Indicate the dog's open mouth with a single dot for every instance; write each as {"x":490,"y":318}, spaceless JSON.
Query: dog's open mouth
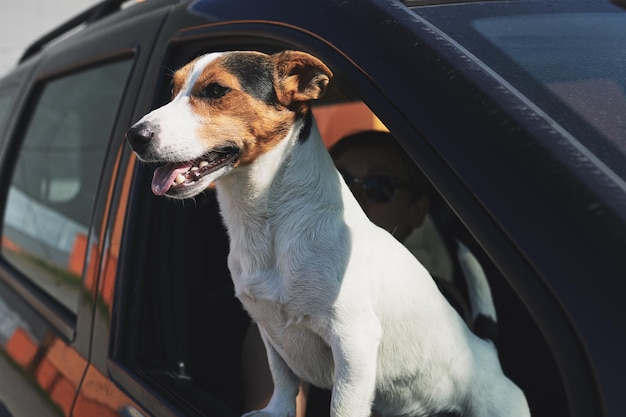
{"x":173,"y":177}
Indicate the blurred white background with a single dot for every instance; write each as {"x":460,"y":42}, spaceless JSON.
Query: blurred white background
{"x":24,"y":21}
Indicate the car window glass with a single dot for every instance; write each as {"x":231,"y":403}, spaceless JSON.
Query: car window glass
{"x":554,"y":49}
{"x":50,"y":199}
{"x":569,"y":64}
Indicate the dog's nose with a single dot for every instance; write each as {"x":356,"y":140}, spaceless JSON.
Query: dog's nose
{"x":139,"y":136}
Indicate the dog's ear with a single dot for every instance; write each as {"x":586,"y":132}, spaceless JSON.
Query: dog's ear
{"x":299,"y":77}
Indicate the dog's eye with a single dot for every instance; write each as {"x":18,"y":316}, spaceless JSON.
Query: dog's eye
{"x":213,"y":90}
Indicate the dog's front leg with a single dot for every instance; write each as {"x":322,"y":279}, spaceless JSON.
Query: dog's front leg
{"x":355,"y":352}
{"x":286,"y":386}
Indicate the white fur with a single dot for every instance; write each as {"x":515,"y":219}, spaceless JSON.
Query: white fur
{"x":339,"y":302}
{"x":480,"y":298}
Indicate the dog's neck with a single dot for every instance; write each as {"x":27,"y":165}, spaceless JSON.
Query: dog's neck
{"x":280,"y":189}
{"x":247,"y":188}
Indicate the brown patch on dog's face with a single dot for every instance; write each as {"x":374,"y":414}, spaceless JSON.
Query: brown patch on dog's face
{"x":228,"y":114}
{"x":251,"y":100}
{"x":181,"y":76}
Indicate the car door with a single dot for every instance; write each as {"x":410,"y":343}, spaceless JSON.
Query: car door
{"x":180,"y":337}
{"x":57,"y":167}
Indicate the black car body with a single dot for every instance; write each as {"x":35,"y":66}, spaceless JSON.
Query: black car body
{"x":115,"y":302}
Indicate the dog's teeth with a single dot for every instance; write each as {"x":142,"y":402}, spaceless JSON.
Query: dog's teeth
{"x":180,"y":178}
{"x":204,"y":164}
{"x":194,"y":169}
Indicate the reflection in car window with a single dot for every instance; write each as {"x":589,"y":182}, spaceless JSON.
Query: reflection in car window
{"x":579,"y":57}
{"x":569,"y":64}
{"x":55,"y":178}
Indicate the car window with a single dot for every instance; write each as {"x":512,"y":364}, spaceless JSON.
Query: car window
{"x":570,"y":64}
{"x":182,"y":331}
{"x":554,"y":48}
{"x":56,"y":172}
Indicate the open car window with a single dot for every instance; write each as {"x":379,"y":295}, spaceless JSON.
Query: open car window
{"x":184,"y":333}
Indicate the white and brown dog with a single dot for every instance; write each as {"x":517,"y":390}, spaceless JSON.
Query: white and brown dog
{"x":339,"y":302}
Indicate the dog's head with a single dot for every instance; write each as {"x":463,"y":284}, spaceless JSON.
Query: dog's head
{"x":227,"y":109}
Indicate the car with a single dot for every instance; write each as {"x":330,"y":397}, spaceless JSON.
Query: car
{"x":115,"y":302}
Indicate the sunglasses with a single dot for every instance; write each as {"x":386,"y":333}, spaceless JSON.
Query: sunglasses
{"x":379,"y":188}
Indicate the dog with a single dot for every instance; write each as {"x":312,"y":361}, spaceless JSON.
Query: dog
{"x":338,"y":301}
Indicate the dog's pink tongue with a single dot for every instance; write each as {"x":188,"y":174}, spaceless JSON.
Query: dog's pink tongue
{"x":164,"y":176}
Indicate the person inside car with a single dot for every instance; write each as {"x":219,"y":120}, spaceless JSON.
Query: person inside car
{"x":386,"y":183}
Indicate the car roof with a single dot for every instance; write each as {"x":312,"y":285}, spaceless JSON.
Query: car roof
{"x":93,"y":14}
{"x":107,"y":8}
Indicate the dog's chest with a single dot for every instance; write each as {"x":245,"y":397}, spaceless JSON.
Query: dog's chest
{"x":292,"y":324}
{"x":291,"y":334}
{"x":269,"y":299}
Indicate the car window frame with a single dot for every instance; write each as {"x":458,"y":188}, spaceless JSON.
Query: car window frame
{"x":8,"y":91}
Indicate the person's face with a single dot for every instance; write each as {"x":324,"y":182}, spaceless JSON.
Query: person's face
{"x":402,"y":212}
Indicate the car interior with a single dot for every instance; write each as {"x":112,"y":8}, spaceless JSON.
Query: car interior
{"x":185,"y":329}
